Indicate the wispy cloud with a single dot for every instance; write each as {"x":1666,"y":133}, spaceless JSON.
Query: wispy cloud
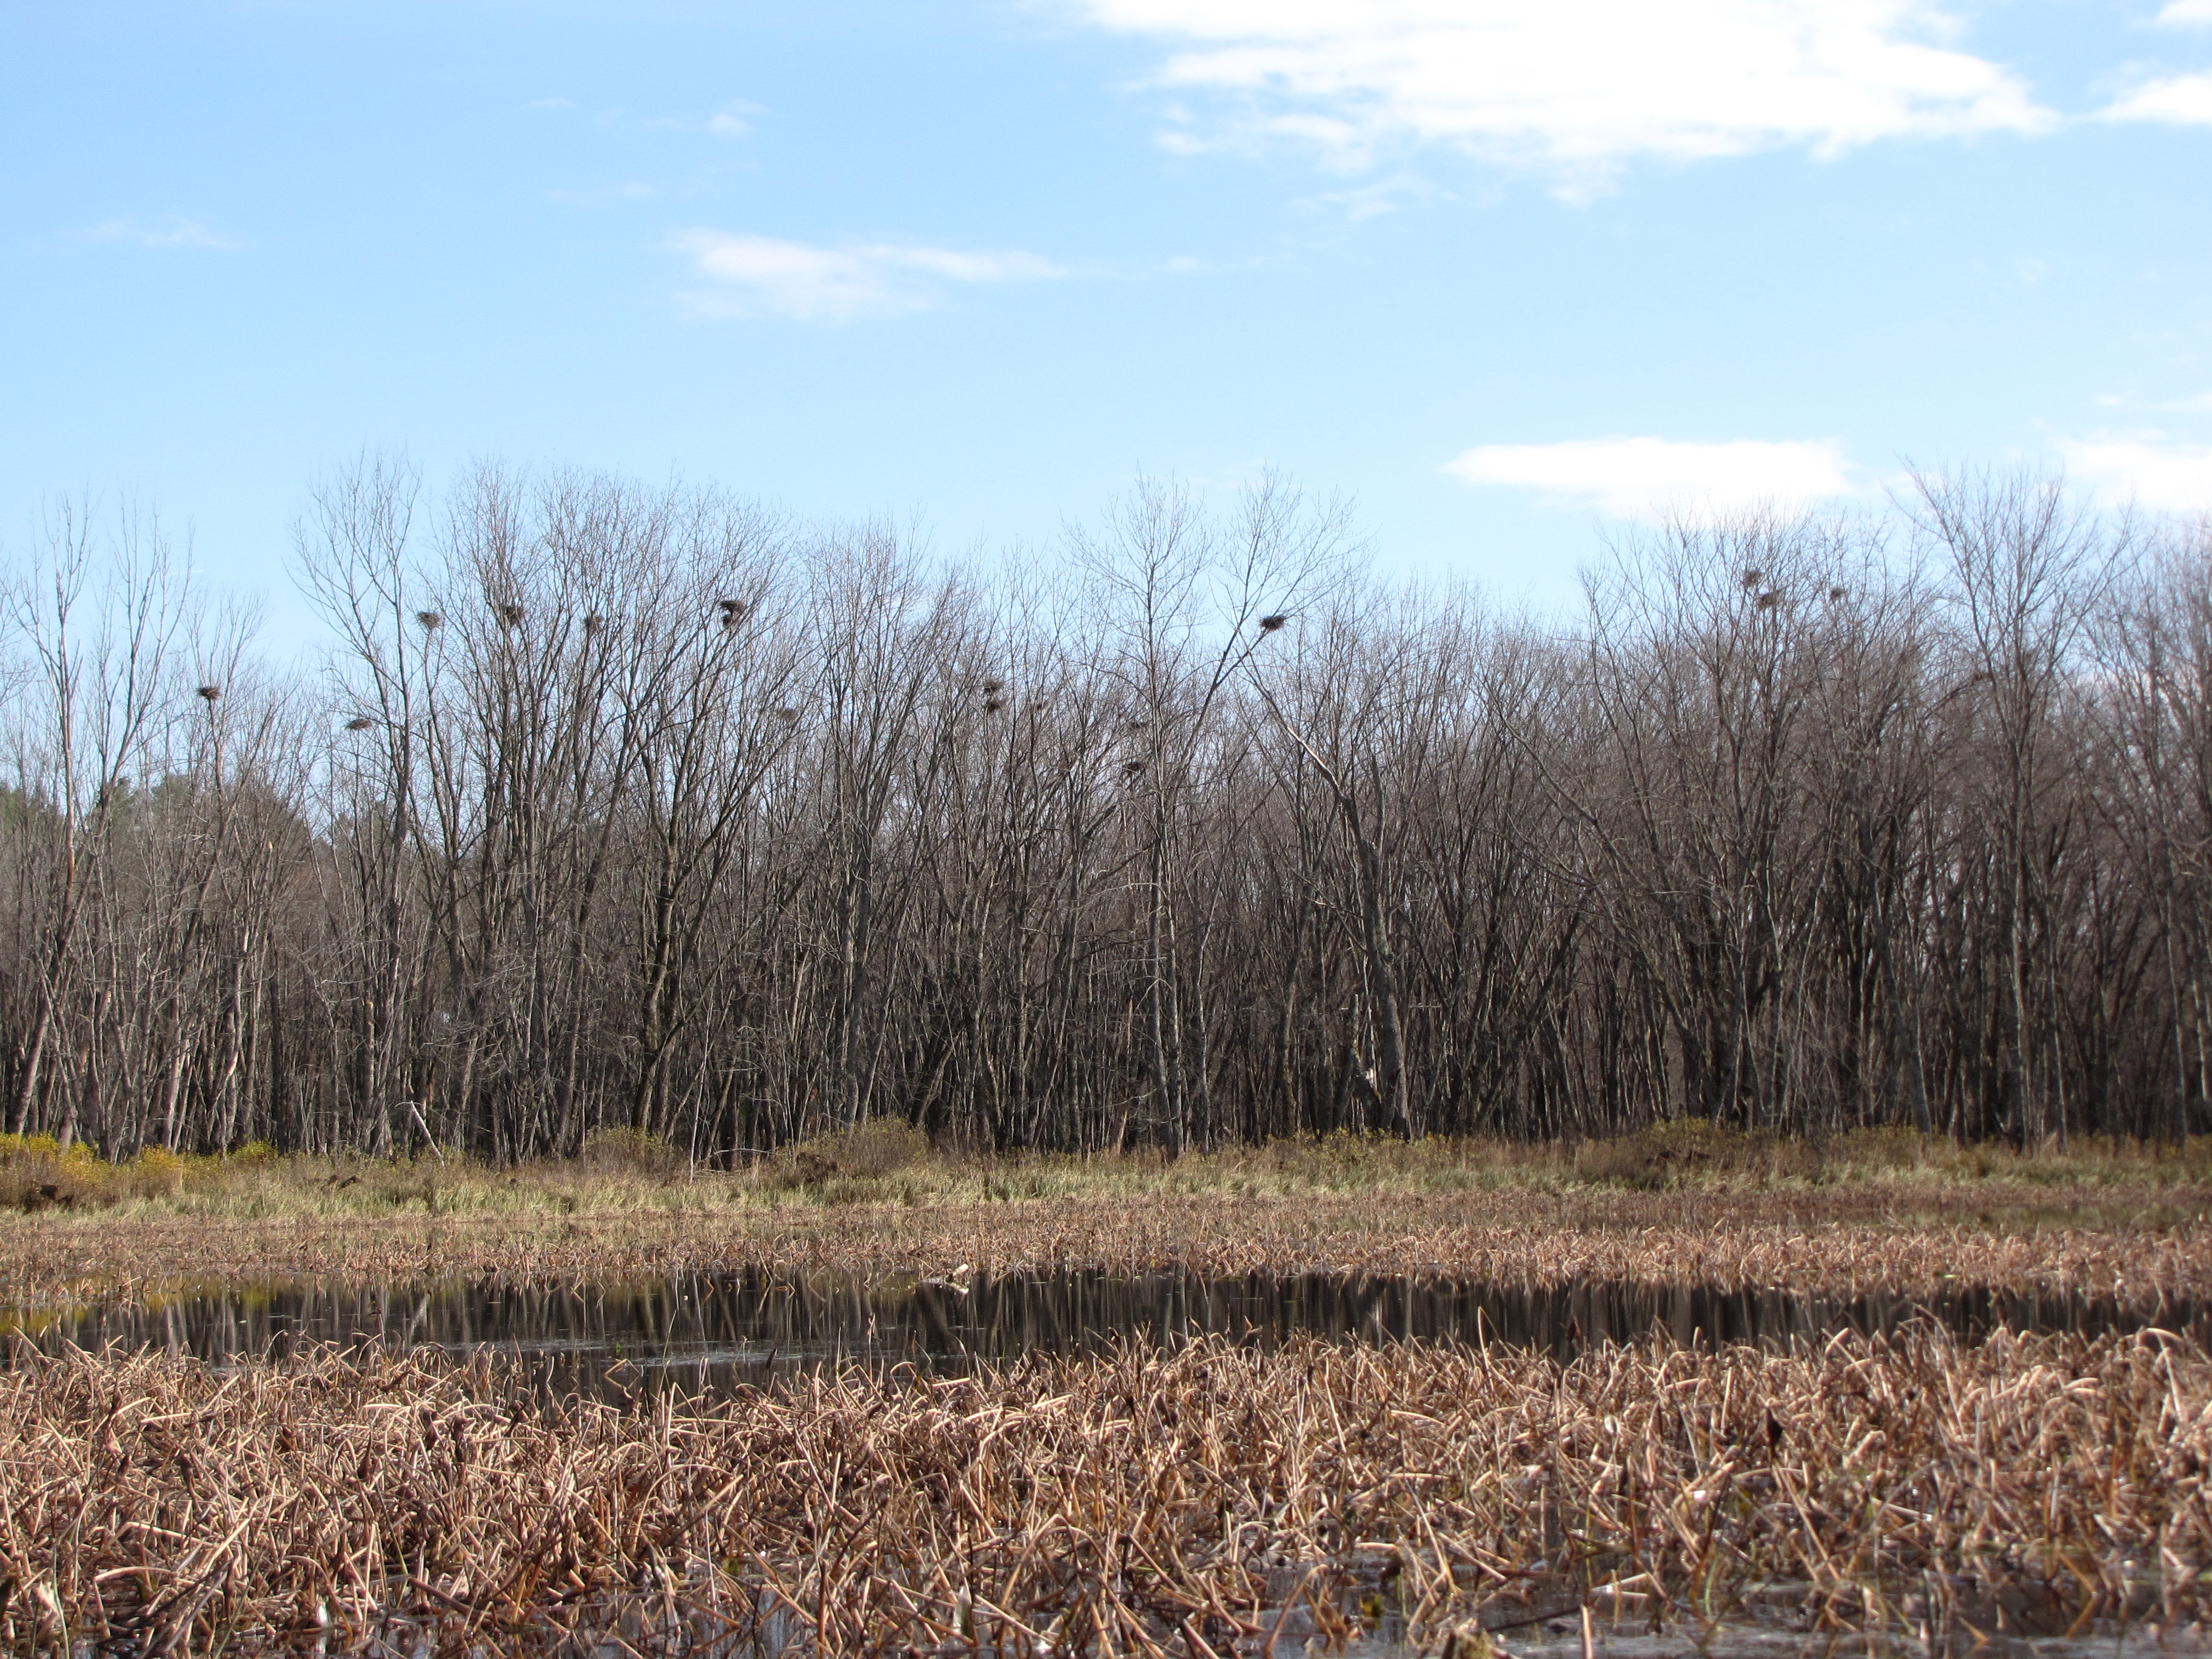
{"x":735,"y":120}
{"x":755,"y":275}
{"x":1574,"y":87}
{"x":172,"y":232}
{"x":2182,"y":99}
{"x":1370,"y":201}
{"x":2148,"y":468}
{"x":2186,"y":14}
{"x":2194,"y":402}
{"x":627,"y":190}
{"x":1646,"y":477}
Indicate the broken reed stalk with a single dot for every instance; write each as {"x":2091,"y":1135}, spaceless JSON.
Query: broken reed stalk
{"x":1141,"y":1501}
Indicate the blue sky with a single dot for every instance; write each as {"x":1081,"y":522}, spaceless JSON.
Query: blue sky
{"x":1509,"y":273}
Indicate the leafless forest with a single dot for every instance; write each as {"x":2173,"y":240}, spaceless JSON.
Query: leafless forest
{"x":612,"y":806}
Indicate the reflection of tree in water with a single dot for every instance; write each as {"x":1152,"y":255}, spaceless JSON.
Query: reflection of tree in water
{"x":748,"y":1325}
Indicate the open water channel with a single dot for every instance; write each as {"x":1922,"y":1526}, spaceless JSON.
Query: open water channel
{"x":701,"y":1332}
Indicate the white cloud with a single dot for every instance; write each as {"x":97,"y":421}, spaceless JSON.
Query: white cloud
{"x":758,"y":274}
{"x":2181,"y":14}
{"x":2185,"y":99}
{"x":1646,"y":477}
{"x":2148,"y":469}
{"x":1579,"y":87}
{"x":174,"y":232}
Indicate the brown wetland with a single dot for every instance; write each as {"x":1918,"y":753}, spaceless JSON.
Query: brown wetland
{"x":1943,"y":1493}
{"x":738,"y":1420}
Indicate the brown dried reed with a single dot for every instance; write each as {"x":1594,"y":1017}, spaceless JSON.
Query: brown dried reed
{"x":1140,"y":1502}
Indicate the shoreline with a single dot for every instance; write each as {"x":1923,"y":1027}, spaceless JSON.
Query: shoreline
{"x":2153,"y":1243}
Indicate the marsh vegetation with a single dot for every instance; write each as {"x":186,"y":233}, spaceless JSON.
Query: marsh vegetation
{"x":873,"y":1397}
{"x":1139,"y":1501}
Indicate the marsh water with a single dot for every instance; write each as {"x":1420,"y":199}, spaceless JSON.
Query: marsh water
{"x":702,"y":1331}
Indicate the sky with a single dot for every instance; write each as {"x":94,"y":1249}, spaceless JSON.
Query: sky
{"x":1512,"y":276}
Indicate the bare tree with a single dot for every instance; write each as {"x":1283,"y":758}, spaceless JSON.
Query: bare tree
{"x":624,"y":809}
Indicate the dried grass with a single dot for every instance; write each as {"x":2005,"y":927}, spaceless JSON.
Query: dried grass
{"x":1140,"y":1502}
{"x":888,"y":1160}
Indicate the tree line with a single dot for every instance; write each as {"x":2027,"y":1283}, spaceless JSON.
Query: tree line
{"x":612,"y":806}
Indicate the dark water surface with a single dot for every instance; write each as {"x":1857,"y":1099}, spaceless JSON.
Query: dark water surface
{"x":705,"y":1331}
